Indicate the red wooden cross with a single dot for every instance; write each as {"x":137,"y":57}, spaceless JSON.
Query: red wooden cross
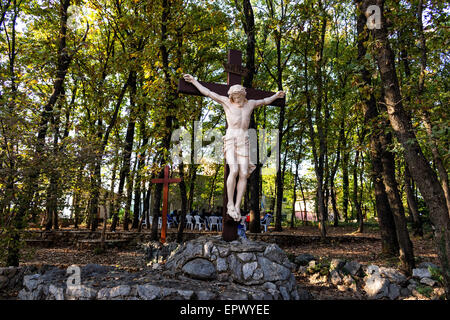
{"x":166,"y":180}
{"x":235,"y":71}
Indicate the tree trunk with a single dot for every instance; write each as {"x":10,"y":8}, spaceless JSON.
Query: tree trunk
{"x":211,"y":191}
{"x":138,"y":180}
{"x":156,"y":210}
{"x":182,"y":216}
{"x":253,"y":184}
{"x":63,"y":63}
{"x":437,"y":159}
{"x":192,"y":168}
{"x":412,"y":204}
{"x":395,"y":202}
{"x":171,"y":96}
{"x":105,"y":140}
{"x":356,"y":203}
{"x":294,"y":197}
{"x":318,"y":153}
{"x":389,"y":242}
{"x":333,"y":173}
{"x":77,"y":196}
{"x":129,"y":198}
{"x":421,"y":171}
{"x":388,"y":232}
{"x":128,"y":149}
{"x":345,"y":184}
{"x":279,"y":179}
{"x":305,"y":214}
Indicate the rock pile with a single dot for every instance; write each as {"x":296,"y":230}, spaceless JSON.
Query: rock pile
{"x":11,"y":278}
{"x":204,"y":268}
{"x":244,"y":262}
{"x":372,"y":282}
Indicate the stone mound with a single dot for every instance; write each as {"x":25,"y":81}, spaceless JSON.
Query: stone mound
{"x":204,"y":268}
{"x":245,"y":262}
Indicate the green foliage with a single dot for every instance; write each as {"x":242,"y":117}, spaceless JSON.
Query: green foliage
{"x":436,"y":274}
{"x":425,"y":290}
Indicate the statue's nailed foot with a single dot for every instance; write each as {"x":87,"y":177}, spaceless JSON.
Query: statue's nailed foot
{"x":231,"y":211}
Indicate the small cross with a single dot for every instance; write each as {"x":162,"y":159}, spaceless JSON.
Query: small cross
{"x":166,"y":180}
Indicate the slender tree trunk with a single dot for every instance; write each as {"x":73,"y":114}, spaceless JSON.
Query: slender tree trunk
{"x":138,"y":180}
{"x":63,"y":63}
{"x":333,"y":173}
{"x":77,"y":196}
{"x":318,"y":153}
{"x":156,"y":210}
{"x":345,"y":185}
{"x":294,"y":197}
{"x":356,"y":203}
{"x":421,"y":171}
{"x":146,"y":211}
{"x":389,"y":242}
{"x":129,"y":198}
{"x":95,"y":195}
{"x":213,"y":186}
{"x":105,"y":220}
{"x":169,"y":119}
{"x":388,"y":231}
{"x":182,"y":216}
{"x":192,"y":168}
{"x":395,"y":202}
{"x":115,"y":217}
{"x":437,"y":159}
{"x":279,"y":177}
{"x":125,"y":173}
{"x":305,"y":214}
{"x":412,"y":204}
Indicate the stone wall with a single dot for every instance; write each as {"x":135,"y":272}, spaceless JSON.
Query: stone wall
{"x":204,"y":268}
{"x":372,"y":281}
{"x":11,"y":278}
{"x":72,"y":237}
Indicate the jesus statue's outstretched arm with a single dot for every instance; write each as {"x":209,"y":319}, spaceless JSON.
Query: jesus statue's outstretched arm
{"x":205,"y":91}
{"x":268,"y":100}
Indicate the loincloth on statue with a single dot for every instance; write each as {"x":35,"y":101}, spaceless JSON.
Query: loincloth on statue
{"x":239,"y":146}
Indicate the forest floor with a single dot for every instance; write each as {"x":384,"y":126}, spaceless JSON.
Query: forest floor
{"x":365,"y":251}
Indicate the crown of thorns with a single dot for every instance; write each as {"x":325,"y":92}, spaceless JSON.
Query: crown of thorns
{"x":237,"y":88}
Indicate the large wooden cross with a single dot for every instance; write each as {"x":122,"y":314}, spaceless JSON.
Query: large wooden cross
{"x":166,"y":180}
{"x":235,"y":71}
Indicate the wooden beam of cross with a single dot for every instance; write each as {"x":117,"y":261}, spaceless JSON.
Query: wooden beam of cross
{"x":235,"y":71}
{"x":166,"y":180}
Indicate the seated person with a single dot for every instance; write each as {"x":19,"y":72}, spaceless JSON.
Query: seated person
{"x":174,"y":217}
{"x":203,"y":218}
{"x":242,"y":228}
{"x":218,"y":212}
{"x":265,"y":216}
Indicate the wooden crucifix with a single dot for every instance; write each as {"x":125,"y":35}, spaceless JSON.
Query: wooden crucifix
{"x":235,"y":71}
{"x":166,"y":180}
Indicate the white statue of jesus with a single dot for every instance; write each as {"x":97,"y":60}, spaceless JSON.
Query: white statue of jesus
{"x":238,"y":111}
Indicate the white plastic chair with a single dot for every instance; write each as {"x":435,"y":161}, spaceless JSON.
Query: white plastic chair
{"x":266,"y":221}
{"x":215,"y":221}
{"x":189,"y":221}
{"x":198,"y":223}
{"x":169,"y":223}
